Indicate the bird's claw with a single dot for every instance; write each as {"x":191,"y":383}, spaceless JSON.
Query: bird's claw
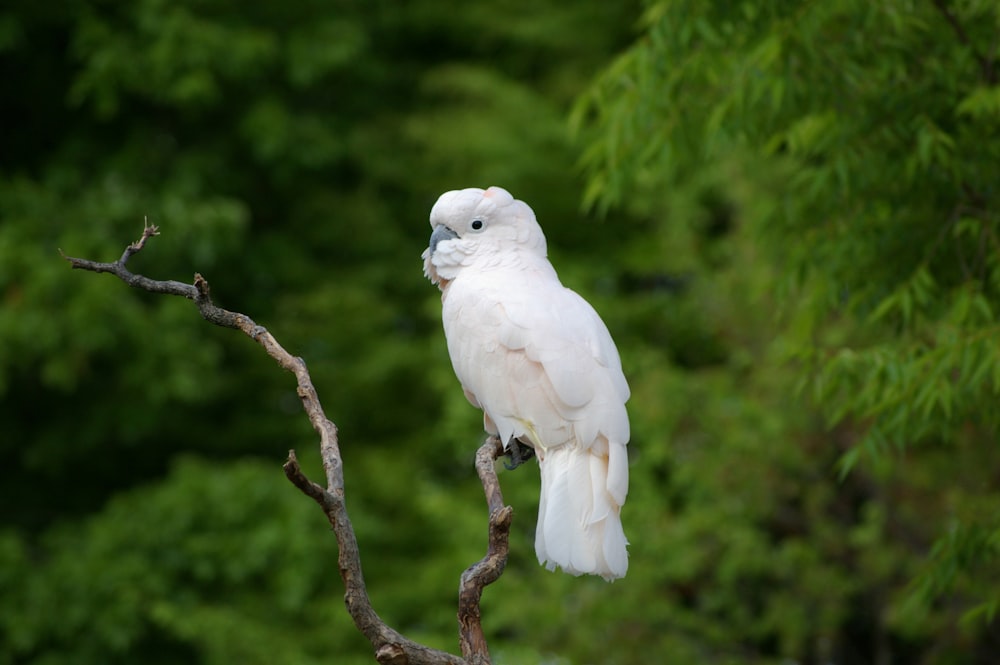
{"x":517,"y":454}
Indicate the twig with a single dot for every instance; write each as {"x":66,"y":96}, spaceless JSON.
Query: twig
{"x":391,"y":647}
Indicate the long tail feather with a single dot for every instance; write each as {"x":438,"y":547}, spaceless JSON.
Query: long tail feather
{"x":579,"y":524}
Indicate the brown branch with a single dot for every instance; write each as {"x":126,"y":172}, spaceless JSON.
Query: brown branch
{"x":490,"y":567}
{"x":390,"y":646}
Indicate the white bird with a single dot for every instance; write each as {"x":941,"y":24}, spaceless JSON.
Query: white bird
{"x":540,"y":363}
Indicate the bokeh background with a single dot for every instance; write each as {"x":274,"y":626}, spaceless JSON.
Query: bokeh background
{"x":786,"y":212}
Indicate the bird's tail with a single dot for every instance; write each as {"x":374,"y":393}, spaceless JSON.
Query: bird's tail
{"x":579,"y":523}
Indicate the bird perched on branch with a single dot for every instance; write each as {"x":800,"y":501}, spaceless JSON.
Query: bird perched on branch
{"x":540,"y":363}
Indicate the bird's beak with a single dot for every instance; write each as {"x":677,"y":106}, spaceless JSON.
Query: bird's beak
{"x":440,"y":234}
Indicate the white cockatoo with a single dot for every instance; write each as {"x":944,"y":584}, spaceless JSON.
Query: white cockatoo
{"x":540,"y":363}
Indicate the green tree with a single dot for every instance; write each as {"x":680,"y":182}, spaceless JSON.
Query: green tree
{"x":847,"y":153}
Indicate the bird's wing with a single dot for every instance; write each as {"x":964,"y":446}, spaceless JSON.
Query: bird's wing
{"x":536,"y":357}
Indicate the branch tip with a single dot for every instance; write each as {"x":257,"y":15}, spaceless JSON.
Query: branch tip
{"x":201,"y":284}
{"x":148,"y":230}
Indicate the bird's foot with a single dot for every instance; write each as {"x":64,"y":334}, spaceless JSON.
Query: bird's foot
{"x":517,"y":454}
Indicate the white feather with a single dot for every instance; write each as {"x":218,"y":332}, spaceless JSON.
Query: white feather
{"x":539,"y":361}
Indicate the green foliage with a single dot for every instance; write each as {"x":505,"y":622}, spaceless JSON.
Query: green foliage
{"x":219,"y":581}
{"x":857,"y":144}
{"x":799,"y":263}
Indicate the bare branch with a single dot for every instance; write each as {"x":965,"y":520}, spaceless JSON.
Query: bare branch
{"x":389,"y":645}
{"x":489,"y":568}
{"x":148,"y":231}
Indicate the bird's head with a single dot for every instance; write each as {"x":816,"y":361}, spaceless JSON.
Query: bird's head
{"x":481,"y":227}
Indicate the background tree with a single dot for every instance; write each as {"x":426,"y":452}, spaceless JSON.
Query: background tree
{"x":852,"y":148}
{"x":798,"y":263}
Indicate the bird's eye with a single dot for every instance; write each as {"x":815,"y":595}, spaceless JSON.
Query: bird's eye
{"x":477,"y":224}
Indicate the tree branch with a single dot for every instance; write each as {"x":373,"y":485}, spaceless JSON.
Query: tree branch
{"x":391,"y":647}
{"x":488,"y":569}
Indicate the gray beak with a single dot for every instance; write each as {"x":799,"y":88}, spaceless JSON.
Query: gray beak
{"x":440,"y":234}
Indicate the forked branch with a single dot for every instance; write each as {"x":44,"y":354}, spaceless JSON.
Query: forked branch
{"x":389,"y":645}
